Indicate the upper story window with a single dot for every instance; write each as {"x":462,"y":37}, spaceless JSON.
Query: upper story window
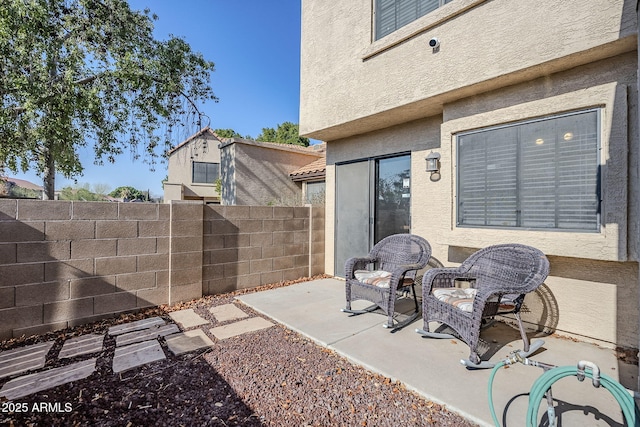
{"x":536,"y":174}
{"x":205,"y":173}
{"x":393,"y":14}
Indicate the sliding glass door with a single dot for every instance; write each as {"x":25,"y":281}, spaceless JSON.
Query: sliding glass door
{"x":372,"y":201}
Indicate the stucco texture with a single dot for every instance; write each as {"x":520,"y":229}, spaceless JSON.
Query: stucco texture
{"x":499,"y":62}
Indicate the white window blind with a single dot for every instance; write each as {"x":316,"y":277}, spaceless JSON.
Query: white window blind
{"x":536,"y":174}
{"x":393,"y":14}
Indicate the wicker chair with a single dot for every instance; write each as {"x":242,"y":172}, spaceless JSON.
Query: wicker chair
{"x":392,"y":266}
{"x":498,"y":277}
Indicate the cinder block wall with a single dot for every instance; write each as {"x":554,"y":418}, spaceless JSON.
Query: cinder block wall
{"x":247,"y":246}
{"x":66,"y":263}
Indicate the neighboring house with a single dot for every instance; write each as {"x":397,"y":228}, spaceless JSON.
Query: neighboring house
{"x":194,"y":166}
{"x":20,"y":188}
{"x":258,"y":173}
{"x":532,"y":107}
{"x":250,"y":172}
{"x":312,"y":177}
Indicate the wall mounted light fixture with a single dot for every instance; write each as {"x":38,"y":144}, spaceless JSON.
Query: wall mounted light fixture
{"x":433,"y":162}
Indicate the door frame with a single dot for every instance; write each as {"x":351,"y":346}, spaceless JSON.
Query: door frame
{"x":371,"y":161}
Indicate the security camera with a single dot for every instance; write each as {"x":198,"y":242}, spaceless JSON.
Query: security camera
{"x":434,"y":43}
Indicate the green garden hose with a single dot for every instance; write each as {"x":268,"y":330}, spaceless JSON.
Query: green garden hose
{"x":542,"y":384}
{"x":546,"y":380}
{"x":490,"y":394}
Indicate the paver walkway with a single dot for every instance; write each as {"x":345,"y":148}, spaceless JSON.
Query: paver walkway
{"x":137,"y":344}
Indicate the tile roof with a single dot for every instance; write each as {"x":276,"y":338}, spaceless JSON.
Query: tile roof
{"x":317,"y":168}
{"x":25,"y":184}
{"x":203,"y":131}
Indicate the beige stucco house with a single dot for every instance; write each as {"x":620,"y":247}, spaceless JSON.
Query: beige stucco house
{"x":533,"y":110}
{"x":250,"y":172}
{"x":193,"y":168}
{"x":259,"y":173}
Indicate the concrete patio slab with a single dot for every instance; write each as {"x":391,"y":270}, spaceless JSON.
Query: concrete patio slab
{"x":146,"y":334}
{"x":431,"y":367}
{"x":241,"y":327}
{"x":136,"y":326}
{"x":33,"y":383}
{"x":188,"y":318}
{"x":135,"y":355}
{"x":185,"y":342}
{"x":227,"y":312}
{"x":20,"y":360}
{"x":314,"y":310}
{"x":85,"y":344}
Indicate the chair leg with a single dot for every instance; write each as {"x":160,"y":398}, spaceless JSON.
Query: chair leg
{"x":525,"y":338}
{"x":410,"y":319}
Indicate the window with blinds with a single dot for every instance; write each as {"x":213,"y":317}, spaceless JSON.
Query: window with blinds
{"x":536,"y":174}
{"x":393,"y":14}
{"x":205,"y":173}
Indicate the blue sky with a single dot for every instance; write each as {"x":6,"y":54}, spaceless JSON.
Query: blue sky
{"x":255,"y":45}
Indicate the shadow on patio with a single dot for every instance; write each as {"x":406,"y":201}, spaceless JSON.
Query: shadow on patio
{"x":431,"y":367}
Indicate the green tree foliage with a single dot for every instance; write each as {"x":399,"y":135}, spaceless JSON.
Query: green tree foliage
{"x":80,"y":192}
{"x":227,"y":133}
{"x":24,"y":193}
{"x":4,"y":186}
{"x":128,"y":193}
{"x":101,"y":189}
{"x":78,"y":72}
{"x":286,"y":133}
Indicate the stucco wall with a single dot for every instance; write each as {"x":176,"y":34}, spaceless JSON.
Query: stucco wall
{"x":260,"y":174}
{"x":590,"y":276}
{"x":499,"y":61}
{"x":351,"y":85}
{"x":179,"y":184}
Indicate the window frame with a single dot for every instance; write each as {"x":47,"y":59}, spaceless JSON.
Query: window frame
{"x":377,"y":12}
{"x":193,"y":172}
{"x":599,"y":176}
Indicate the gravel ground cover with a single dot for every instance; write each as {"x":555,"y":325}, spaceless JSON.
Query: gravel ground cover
{"x":271,"y":377}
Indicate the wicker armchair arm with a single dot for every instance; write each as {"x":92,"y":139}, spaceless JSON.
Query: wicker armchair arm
{"x":443,"y":278}
{"x":401,"y":270}
{"x":356,"y":263}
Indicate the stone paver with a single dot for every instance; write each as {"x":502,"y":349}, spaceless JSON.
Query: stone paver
{"x":241,"y":327}
{"x":146,"y":335}
{"x":227,"y":312}
{"x":134,"y":355}
{"x":85,"y":344}
{"x":188,"y":341}
{"x":136,"y":326}
{"x":23,"y":359}
{"x":29,"y":384}
{"x":187,"y":318}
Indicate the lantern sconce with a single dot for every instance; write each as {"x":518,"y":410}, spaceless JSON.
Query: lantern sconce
{"x":433,"y":165}
{"x":433,"y":162}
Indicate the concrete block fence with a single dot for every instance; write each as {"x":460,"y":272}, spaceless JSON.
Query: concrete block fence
{"x":65,"y":263}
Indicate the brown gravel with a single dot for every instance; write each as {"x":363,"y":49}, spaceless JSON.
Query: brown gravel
{"x":272,"y":377}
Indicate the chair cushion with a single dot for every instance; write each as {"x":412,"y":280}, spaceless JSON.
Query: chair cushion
{"x":463,"y":298}
{"x":379,"y":278}
{"x":458,"y":297}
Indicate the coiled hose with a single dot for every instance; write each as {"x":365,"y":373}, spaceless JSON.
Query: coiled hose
{"x":544,"y":382}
